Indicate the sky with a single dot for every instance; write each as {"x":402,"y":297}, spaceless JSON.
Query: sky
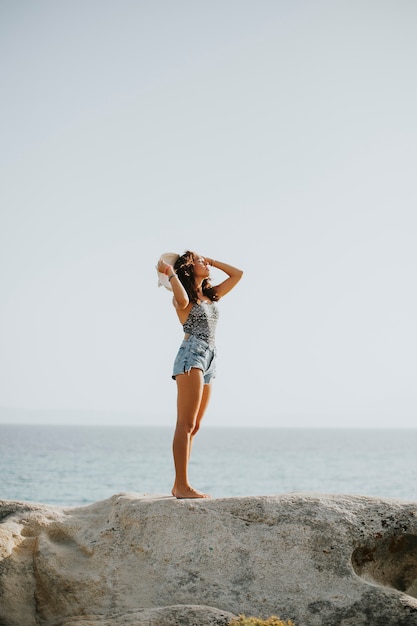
{"x":277,"y":136}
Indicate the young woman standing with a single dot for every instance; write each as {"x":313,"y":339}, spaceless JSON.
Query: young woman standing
{"x":194,"y":300}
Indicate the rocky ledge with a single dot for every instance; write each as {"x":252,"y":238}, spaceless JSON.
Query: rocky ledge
{"x":156,"y":561}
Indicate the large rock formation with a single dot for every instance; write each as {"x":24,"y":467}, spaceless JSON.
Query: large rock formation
{"x":130,"y":560}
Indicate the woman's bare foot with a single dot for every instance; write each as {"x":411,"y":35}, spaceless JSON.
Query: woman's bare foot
{"x":187,"y":492}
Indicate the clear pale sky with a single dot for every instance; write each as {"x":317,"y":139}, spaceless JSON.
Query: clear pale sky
{"x":278,"y":136}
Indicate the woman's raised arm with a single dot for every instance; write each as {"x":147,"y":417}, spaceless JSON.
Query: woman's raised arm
{"x":234,"y":276}
{"x":180,"y":299}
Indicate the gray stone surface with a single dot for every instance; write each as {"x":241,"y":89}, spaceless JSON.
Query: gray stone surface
{"x":179,"y":615}
{"x":131,"y":560}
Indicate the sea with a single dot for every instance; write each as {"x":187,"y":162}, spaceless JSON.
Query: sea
{"x":78,"y":465}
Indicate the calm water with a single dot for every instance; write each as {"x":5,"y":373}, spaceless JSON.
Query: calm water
{"x":79,"y":465}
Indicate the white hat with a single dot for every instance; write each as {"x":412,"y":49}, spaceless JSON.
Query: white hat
{"x":170,"y":258}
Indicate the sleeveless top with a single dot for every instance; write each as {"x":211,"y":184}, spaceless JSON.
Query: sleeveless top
{"x":202,"y":321}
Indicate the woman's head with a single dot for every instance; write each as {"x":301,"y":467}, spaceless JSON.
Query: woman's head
{"x":191,"y":269}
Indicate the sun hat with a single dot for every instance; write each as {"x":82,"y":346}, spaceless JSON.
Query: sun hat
{"x":170,"y":258}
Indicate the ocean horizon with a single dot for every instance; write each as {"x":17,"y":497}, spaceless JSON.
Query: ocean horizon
{"x":72,"y":465}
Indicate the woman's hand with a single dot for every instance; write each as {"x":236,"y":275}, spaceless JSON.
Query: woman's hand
{"x":163,"y":267}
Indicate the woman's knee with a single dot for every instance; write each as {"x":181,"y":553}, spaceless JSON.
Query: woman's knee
{"x":186,"y":425}
{"x":195,"y":429}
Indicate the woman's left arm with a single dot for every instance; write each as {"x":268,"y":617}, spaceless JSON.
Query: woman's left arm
{"x":234,"y":276}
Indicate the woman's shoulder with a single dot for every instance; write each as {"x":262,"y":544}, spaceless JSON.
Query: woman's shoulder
{"x":183,"y":313}
{"x":179,"y":308}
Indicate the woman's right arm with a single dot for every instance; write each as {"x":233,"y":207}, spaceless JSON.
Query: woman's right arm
{"x":180,"y":299}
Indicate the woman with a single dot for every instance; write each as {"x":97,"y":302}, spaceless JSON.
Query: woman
{"x":195,"y":365}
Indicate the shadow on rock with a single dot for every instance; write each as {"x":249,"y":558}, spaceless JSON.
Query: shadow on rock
{"x":389,"y":561}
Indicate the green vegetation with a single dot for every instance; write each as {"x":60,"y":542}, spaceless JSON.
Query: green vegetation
{"x":255,"y":621}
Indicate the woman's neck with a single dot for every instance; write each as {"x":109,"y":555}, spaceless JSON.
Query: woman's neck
{"x":199,"y":291}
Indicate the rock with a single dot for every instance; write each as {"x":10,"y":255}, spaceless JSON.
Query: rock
{"x":181,"y":615}
{"x":157,"y":561}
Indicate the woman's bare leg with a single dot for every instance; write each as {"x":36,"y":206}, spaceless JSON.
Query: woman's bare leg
{"x":201,"y":411}
{"x":191,"y":392}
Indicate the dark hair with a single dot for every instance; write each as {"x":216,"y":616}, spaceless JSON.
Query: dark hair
{"x":184,"y":267}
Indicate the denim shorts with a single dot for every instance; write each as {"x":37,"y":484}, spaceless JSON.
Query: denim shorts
{"x":197,"y":353}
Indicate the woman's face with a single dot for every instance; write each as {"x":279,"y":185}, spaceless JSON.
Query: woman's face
{"x":201,"y":267}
